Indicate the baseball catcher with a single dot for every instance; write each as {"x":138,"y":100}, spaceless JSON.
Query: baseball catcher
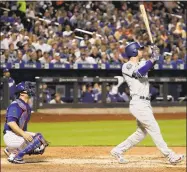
{"x":18,"y":140}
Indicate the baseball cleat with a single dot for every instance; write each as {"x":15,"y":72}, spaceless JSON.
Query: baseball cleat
{"x":6,"y":151}
{"x":11,"y":157}
{"x":119,"y":157}
{"x":174,"y":158}
{"x":16,"y":160}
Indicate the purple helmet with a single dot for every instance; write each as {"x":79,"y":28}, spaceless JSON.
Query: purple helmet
{"x":132,"y":49}
{"x":26,"y":86}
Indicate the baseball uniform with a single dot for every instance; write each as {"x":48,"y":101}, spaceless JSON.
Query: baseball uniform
{"x":17,"y":117}
{"x":141,"y":109}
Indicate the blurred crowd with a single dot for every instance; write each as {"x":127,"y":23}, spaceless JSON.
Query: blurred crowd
{"x":45,"y":31}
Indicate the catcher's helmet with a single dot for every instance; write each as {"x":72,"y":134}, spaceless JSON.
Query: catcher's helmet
{"x":132,"y":49}
{"x":25,"y":86}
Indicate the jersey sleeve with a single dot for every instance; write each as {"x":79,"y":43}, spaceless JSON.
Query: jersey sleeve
{"x":142,"y":63}
{"x":11,"y":119}
{"x":128,"y":69}
{"x":142,"y":71}
{"x":14,"y":111}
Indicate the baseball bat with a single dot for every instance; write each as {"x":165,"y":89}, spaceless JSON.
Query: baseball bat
{"x":146,"y":21}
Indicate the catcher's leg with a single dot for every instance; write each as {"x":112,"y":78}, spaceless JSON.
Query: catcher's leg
{"x":132,"y":140}
{"x":37,"y":141}
{"x":13,"y":142}
{"x":39,"y":150}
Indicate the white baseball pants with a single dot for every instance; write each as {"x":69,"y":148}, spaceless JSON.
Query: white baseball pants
{"x":146,"y":123}
{"x":13,"y":141}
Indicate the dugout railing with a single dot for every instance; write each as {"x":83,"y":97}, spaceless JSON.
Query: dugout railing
{"x":38,"y":102}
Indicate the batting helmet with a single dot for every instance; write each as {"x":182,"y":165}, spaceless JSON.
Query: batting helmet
{"x":25,"y":86}
{"x":132,"y":49}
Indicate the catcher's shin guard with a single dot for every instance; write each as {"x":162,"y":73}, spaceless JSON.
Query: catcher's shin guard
{"x":37,"y":141}
{"x":41,"y":148}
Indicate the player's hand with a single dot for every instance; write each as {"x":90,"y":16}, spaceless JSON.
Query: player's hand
{"x":155,"y":52}
{"x":27,"y":137}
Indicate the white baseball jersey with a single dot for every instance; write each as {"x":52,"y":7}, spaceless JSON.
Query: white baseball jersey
{"x":137,"y":86}
{"x":141,"y":109}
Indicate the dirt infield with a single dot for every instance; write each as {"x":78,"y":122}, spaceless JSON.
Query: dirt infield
{"x":41,"y":117}
{"x":94,"y":159}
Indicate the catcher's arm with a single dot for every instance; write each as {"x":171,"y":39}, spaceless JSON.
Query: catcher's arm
{"x":13,"y":125}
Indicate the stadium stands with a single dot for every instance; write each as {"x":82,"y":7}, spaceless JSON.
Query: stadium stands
{"x":79,"y":33}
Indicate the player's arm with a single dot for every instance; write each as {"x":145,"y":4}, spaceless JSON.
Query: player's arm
{"x":149,"y":64}
{"x":15,"y":128}
{"x":13,"y":114}
{"x":144,"y":69}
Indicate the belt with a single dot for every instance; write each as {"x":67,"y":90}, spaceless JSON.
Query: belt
{"x":145,"y":98}
{"x":141,"y":97}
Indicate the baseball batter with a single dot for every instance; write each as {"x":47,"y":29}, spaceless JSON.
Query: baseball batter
{"x":18,"y":141}
{"x":135,"y":74}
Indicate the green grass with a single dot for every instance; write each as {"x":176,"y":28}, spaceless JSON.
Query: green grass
{"x":105,"y":132}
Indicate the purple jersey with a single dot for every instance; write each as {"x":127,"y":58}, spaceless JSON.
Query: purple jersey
{"x":19,"y":112}
{"x":111,"y":98}
{"x":88,"y":97}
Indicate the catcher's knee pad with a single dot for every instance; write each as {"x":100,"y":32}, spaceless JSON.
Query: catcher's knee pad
{"x":41,"y":138}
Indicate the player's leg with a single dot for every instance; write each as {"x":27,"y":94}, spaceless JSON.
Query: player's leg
{"x":37,"y":141}
{"x":143,"y":112}
{"x":13,"y":142}
{"x":16,"y":144}
{"x":39,"y":150}
{"x":131,"y":141}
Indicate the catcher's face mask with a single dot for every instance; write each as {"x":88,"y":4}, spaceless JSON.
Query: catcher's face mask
{"x":26,"y":88}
